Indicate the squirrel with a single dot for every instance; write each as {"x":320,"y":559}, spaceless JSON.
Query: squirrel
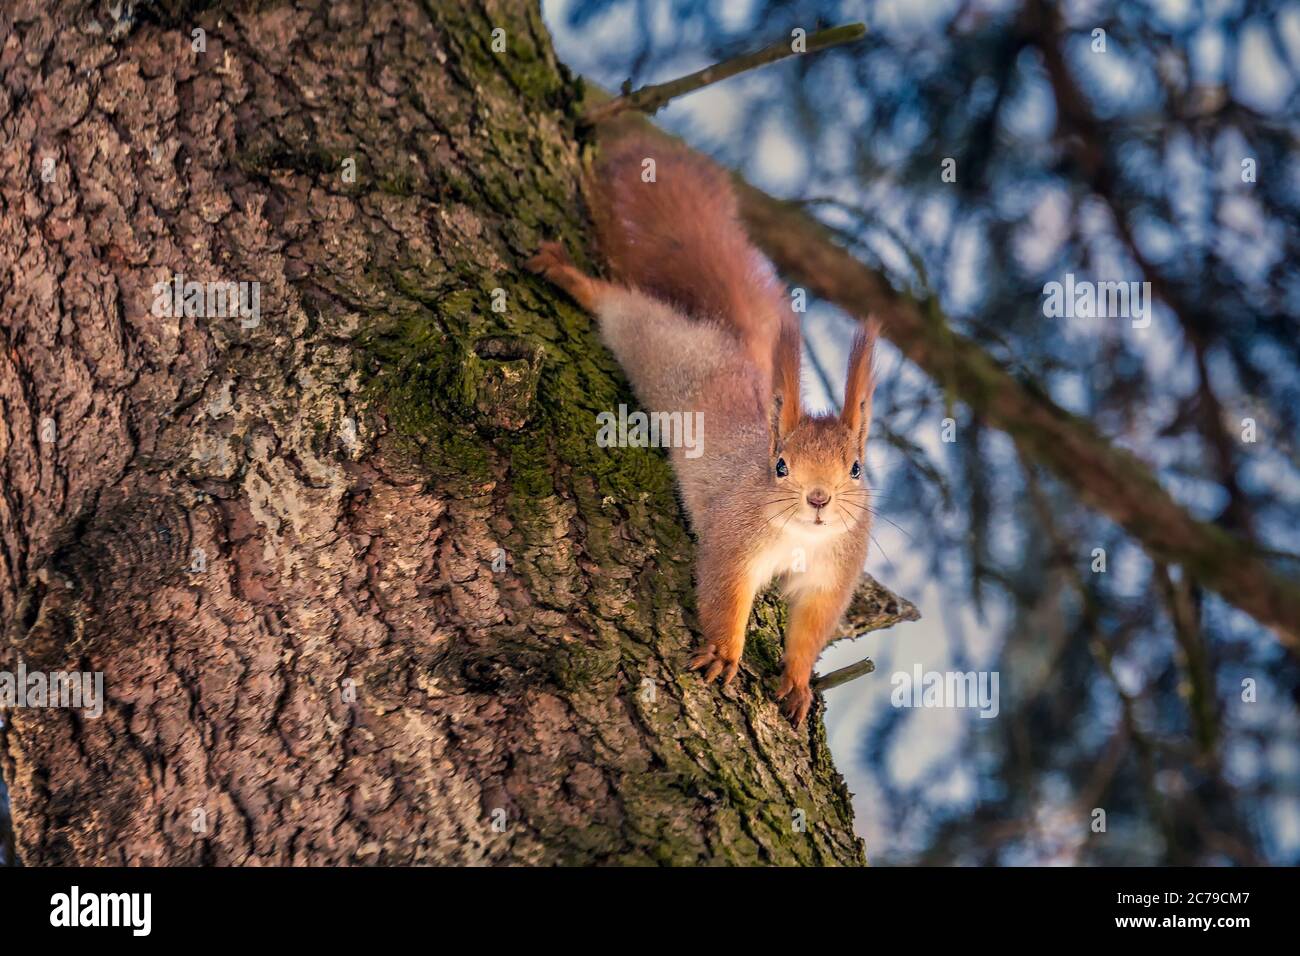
{"x":699,"y":322}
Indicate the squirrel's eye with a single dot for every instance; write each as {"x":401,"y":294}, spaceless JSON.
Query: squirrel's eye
{"x":781,"y":469}
{"x":856,"y":471}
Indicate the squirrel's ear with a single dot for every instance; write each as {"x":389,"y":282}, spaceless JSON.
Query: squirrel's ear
{"x":786,"y":409}
{"x":860,"y":384}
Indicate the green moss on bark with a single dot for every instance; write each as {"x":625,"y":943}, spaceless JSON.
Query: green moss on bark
{"x":505,"y":404}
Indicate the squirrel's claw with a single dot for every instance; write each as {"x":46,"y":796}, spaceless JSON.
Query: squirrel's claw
{"x":717,"y":664}
{"x":796,"y":700}
{"x":552,"y":262}
{"x":550,"y":256}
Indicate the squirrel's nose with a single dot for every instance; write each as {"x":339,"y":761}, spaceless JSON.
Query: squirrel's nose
{"x":818,"y":498}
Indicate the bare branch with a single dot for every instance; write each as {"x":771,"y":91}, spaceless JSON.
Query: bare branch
{"x":844,"y":674}
{"x":874,"y":607}
{"x":649,"y":99}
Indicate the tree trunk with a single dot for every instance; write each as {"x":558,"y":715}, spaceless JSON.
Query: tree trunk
{"x":361,"y":584}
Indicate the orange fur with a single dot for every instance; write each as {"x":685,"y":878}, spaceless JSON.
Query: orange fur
{"x":724,"y":606}
{"x":860,"y":383}
{"x":700,"y":325}
{"x":787,"y":407}
{"x":813,"y":615}
{"x":679,"y":239}
{"x":553,"y":261}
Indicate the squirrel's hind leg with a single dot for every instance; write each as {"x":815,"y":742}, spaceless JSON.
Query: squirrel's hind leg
{"x":553,"y":262}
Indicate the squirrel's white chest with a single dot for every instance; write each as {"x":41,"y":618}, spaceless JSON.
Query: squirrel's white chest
{"x":796,"y":557}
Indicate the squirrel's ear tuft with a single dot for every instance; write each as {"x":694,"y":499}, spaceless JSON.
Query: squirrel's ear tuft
{"x":860,"y":384}
{"x":786,"y":407}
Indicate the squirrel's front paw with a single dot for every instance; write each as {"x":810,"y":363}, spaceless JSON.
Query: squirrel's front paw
{"x":796,"y":699}
{"x":718,"y":660}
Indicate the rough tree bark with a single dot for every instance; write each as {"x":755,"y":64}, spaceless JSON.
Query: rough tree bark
{"x":362,"y":586}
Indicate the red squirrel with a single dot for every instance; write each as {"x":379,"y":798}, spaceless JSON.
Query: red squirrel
{"x":699,"y":323}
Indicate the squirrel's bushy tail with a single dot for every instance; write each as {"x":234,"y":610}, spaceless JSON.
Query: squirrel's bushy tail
{"x":679,"y":239}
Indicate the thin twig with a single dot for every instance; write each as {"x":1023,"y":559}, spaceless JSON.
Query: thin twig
{"x":844,"y":674}
{"x":649,"y":99}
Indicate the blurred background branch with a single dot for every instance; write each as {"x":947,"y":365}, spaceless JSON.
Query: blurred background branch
{"x":1080,"y":505}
